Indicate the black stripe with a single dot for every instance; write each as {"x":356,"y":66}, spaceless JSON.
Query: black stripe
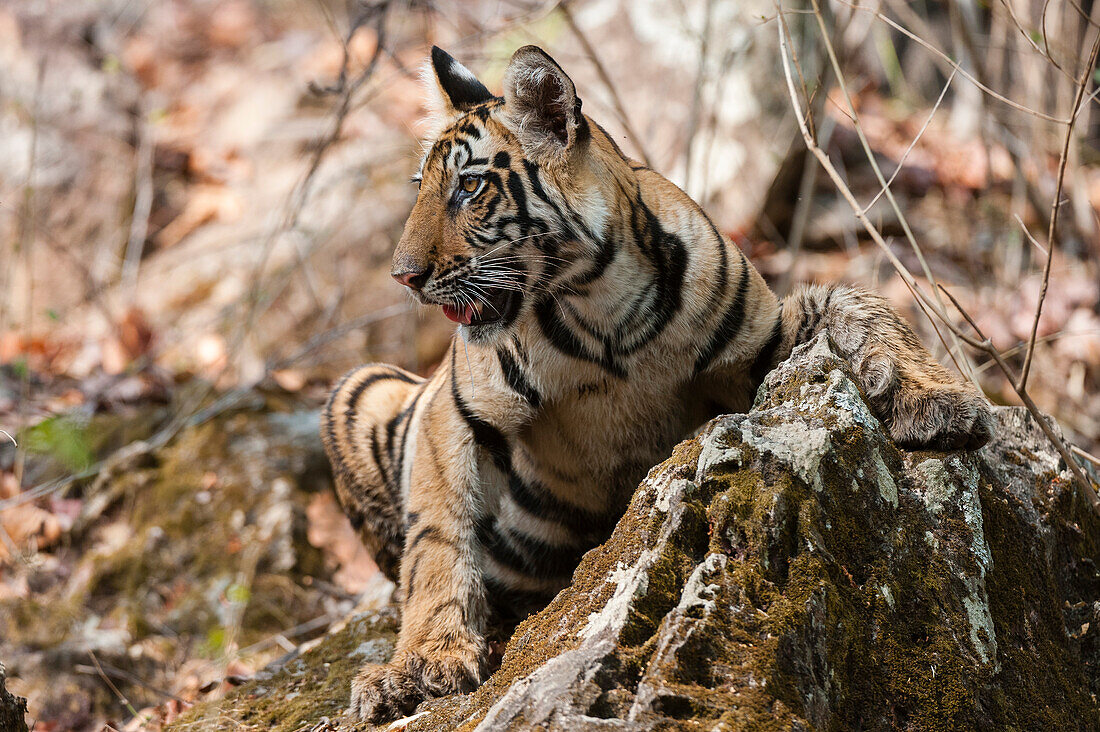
{"x":407,"y":422}
{"x":519,"y":195}
{"x":352,"y":411}
{"x":473,"y":131}
{"x":513,"y":374}
{"x":357,"y":393}
{"x":762,"y":364}
{"x":485,"y":435}
{"x":812,"y":319}
{"x":536,"y":500}
{"x":575,"y":227}
{"x":731,"y":323}
{"x":397,"y":453}
{"x":512,"y":604}
{"x":376,"y":452}
{"x":438,"y":609}
{"x":430,"y":533}
{"x":534,"y":557}
{"x":563,"y":339}
{"x":339,"y":463}
{"x":723,"y":267}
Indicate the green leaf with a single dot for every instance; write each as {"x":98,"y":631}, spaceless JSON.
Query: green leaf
{"x":215,"y":641}
{"x":20,"y":369}
{"x":237,"y":593}
{"x":63,"y":438}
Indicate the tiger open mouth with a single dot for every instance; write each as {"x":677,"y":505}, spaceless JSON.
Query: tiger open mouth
{"x":495,"y":305}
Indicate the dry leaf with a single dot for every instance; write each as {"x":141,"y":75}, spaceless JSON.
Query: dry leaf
{"x":330,"y":531}
{"x":27,"y":523}
{"x":289,"y":379}
{"x":206,"y":203}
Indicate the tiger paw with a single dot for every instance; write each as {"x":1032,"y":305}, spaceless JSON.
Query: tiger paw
{"x":383,"y":692}
{"x":941,"y":417}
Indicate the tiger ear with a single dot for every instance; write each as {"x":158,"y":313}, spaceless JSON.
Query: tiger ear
{"x":453,"y":87}
{"x":541,"y":103}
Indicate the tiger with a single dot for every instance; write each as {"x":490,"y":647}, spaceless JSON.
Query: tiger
{"x":601,"y":317}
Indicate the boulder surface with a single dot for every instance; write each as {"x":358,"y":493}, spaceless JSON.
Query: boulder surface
{"x":788,"y":568}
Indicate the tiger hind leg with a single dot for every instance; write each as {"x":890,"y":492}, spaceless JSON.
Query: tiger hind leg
{"x":917,"y":399}
{"x":363,"y":427}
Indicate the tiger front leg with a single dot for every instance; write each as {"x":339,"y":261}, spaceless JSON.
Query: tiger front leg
{"x":920,"y":403}
{"x":441,"y":648}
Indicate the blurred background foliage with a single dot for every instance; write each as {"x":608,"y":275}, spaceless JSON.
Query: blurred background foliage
{"x":198,"y":202}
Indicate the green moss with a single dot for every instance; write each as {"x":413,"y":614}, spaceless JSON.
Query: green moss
{"x":306,"y":688}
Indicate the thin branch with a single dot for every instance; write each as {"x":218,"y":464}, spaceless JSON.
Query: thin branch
{"x":620,"y":110}
{"x":1052,"y":230}
{"x":121,"y":697}
{"x":965,"y":368}
{"x":982,"y":343}
{"x":1041,"y":419}
{"x":143,"y":202}
{"x":954,"y":65}
{"x":1030,"y":236}
{"x":920,"y":134}
{"x":1087,"y":456}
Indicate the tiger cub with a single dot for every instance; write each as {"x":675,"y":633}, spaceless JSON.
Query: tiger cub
{"x":601,"y":318}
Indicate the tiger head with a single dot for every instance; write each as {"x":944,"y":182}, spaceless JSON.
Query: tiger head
{"x":511,"y":209}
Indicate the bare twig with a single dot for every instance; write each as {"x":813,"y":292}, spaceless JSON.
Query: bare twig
{"x":920,"y":134}
{"x":143,"y":203}
{"x":121,"y":697}
{"x":620,"y":110}
{"x":1087,"y":456}
{"x":954,"y":65}
{"x":1052,"y":230}
{"x":965,"y":367}
{"x":981,"y":342}
{"x":103,"y":669}
{"x":1030,"y":236}
{"x":377,"y":13}
{"x":1041,"y":419}
{"x":697,"y":95}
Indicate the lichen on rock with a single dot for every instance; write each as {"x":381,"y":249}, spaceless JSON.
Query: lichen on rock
{"x":791,"y":568}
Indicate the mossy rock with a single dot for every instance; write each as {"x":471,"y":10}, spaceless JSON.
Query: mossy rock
{"x":791,"y":568}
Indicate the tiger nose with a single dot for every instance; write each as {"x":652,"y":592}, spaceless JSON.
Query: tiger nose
{"x":414,"y":279}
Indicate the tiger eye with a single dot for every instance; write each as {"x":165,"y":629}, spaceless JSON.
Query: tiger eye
{"x":469,"y":184}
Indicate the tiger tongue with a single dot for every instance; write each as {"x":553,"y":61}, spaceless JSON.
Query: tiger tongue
{"x":464,"y":315}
